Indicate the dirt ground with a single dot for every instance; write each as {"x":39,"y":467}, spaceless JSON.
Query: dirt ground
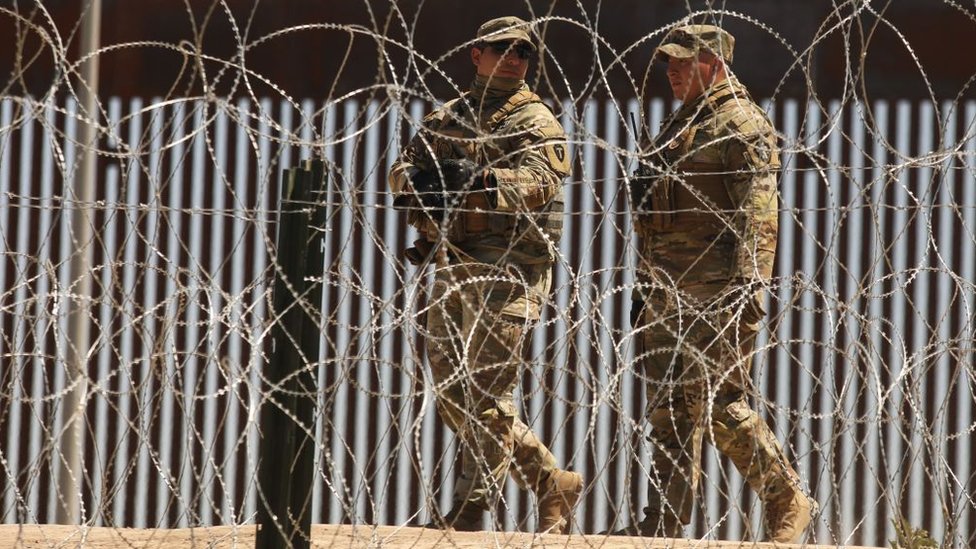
{"x":324,"y":535}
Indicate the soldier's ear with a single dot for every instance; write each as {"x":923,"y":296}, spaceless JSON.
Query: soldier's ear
{"x":476,"y":55}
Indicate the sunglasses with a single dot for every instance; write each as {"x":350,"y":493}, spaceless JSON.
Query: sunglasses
{"x":521,"y":49}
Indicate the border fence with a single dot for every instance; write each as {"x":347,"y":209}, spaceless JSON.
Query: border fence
{"x":865,"y":366}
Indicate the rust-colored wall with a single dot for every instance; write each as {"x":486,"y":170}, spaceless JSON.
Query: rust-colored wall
{"x":335,"y":47}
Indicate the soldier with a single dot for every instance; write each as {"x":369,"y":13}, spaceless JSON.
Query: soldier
{"x":482,"y":183}
{"x":705,"y":210}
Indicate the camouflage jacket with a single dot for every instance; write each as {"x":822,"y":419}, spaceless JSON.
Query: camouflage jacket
{"x":713,"y":210}
{"x":507,"y":129}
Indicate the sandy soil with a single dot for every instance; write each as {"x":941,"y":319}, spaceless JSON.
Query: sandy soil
{"x":325,"y":535}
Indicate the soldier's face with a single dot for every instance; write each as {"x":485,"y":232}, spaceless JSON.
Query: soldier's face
{"x":503,"y":60}
{"x":690,"y":77}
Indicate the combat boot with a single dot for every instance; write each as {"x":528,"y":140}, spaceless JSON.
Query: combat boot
{"x":558,"y":495}
{"x":463,"y":517}
{"x":788,"y":516}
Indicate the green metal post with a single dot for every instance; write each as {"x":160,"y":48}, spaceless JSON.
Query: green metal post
{"x":301,"y":495}
{"x":277,"y":524}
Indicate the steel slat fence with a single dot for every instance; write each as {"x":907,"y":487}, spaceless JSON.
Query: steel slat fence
{"x":866,"y":370}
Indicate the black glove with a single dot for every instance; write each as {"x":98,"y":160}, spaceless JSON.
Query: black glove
{"x":640,"y":189}
{"x":429,"y":190}
{"x":460,"y":176}
{"x":463,"y":175}
{"x":459,"y":173}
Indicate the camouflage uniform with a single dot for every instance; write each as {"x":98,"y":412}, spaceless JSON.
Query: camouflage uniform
{"x":707,"y":237}
{"x":494,"y":255}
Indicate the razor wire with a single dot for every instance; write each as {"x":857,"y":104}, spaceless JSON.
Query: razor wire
{"x":864,"y":366}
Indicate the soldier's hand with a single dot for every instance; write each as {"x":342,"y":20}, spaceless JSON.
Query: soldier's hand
{"x":429,"y":190}
{"x":461,"y":174}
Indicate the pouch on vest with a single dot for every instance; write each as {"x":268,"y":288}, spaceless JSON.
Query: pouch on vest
{"x":476,"y":216}
{"x":662,"y":203}
{"x":702,"y":196}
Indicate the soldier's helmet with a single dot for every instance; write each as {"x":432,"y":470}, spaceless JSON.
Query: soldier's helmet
{"x":504,"y":29}
{"x":688,"y":40}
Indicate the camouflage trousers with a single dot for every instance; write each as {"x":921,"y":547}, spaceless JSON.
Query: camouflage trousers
{"x":696,"y":355}
{"x":479,"y":320}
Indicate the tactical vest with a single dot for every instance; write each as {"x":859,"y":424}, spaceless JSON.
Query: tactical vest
{"x":689,"y":225}
{"x":531,"y":234}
